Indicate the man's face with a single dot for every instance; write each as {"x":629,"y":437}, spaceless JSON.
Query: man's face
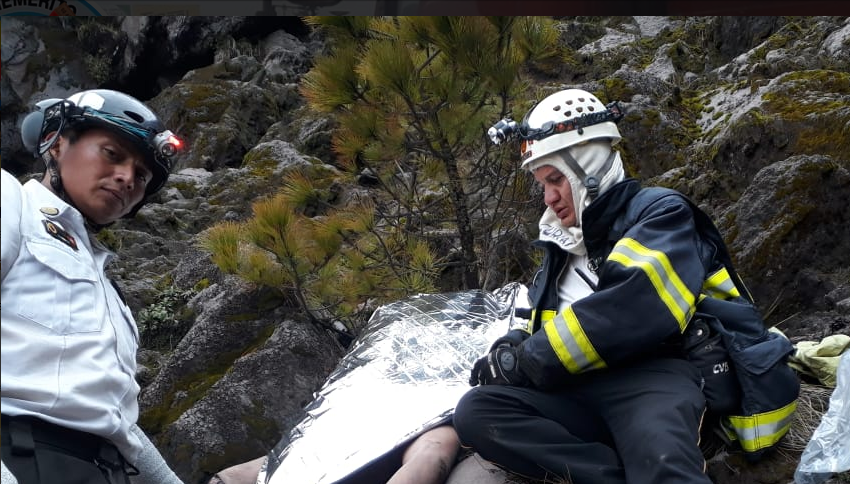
{"x":557,"y":193}
{"x":104,"y":175}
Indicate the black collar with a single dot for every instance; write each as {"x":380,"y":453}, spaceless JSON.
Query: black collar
{"x":598,"y":218}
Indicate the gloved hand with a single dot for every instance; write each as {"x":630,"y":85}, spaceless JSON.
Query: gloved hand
{"x":499,"y":367}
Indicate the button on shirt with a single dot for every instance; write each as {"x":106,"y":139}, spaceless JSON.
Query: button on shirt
{"x":68,"y":341}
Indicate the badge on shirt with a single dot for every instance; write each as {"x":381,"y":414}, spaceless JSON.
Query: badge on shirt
{"x":59,"y":234}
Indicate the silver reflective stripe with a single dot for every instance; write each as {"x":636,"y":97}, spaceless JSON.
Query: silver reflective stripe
{"x":669,"y":286}
{"x":571,"y":344}
{"x":762,"y":430}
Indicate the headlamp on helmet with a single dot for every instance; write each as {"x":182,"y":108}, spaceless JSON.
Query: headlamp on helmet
{"x":502,"y":131}
{"x":167,"y":144}
{"x":507,"y":128}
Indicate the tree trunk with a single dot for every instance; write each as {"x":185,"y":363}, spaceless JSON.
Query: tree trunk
{"x":464,"y":226}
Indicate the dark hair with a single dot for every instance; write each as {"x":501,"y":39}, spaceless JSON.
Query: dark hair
{"x":73,"y":135}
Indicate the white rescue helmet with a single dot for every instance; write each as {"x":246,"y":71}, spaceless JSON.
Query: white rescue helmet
{"x":564,"y":119}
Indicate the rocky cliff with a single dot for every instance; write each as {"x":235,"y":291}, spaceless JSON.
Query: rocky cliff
{"x":750,"y":116}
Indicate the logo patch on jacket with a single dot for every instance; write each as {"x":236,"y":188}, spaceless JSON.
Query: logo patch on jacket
{"x":59,"y":234}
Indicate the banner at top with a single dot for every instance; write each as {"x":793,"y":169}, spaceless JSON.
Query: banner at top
{"x":53,"y":8}
{"x":81,"y":8}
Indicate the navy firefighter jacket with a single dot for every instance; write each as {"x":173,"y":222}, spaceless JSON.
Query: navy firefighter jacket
{"x":652,"y":267}
{"x":660,"y":260}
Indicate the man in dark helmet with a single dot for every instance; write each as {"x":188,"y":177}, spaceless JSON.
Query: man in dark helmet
{"x":69,"y":393}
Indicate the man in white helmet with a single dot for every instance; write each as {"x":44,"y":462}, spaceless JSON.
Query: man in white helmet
{"x":600,"y":386}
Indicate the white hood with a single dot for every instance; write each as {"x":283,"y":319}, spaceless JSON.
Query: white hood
{"x":592,"y":158}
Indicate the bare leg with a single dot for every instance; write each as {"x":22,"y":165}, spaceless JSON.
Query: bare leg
{"x":244,"y":473}
{"x":429,"y":459}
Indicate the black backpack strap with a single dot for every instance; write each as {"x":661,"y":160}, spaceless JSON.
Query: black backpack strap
{"x":708,"y":230}
{"x":118,"y":290}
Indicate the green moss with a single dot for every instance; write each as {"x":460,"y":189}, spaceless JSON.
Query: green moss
{"x":820,"y":79}
{"x":264,"y":430}
{"x":646,"y":46}
{"x":759,"y":53}
{"x":686,"y":57}
{"x":155,"y":419}
{"x":826,"y":137}
{"x":260,"y":161}
{"x":109,"y":239}
{"x":165,"y":283}
{"x":188,"y":190}
{"x":210,"y":73}
{"x":815,"y":100}
{"x":204,"y":103}
{"x":201,"y":285}
{"x":98,"y":66}
{"x":795,"y":205}
{"x":196,"y":385}
{"x":614,"y":89}
{"x":258,"y":425}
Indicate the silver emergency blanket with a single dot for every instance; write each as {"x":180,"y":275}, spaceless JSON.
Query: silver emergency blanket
{"x":403,"y":375}
{"x":828,"y":451}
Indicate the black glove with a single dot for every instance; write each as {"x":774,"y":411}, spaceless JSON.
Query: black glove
{"x":514,"y":337}
{"x":499,"y":367}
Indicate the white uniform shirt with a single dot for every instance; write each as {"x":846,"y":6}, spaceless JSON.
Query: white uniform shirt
{"x":68,"y":342}
{"x":571,"y":286}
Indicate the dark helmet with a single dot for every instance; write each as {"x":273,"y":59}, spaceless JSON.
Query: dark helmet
{"x":111,"y":110}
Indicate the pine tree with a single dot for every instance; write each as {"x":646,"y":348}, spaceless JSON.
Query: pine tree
{"x":413,"y":97}
{"x":334,"y":262}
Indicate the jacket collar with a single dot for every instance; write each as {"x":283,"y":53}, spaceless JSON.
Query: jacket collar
{"x":600,"y":215}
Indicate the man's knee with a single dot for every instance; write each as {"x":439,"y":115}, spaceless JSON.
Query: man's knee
{"x":467,"y":415}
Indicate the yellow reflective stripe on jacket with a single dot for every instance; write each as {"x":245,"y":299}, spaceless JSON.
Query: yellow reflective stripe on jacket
{"x":571,"y":344}
{"x":762,"y":430}
{"x":655,"y":264}
{"x":719,"y":285}
{"x":545,"y":316}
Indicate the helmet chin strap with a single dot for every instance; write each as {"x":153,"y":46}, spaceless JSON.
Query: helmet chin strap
{"x":56,"y":179}
{"x":59,"y":190}
{"x":590,"y":182}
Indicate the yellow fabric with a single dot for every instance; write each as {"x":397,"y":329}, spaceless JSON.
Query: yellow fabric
{"x":763,"y":430}
{"x":571,"y":344}
{"x":820,"y":359}
{"x":657,"y":267}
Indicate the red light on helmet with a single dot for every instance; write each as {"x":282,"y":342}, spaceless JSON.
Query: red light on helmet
{"x":167,"y":144}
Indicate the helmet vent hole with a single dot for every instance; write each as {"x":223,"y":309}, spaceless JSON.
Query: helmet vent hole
{"x":590,"y":108}
{"x":568,"y":114}
{"x":556,"y":108}
{"x":579,"y":109}
{"x":134,"y":116}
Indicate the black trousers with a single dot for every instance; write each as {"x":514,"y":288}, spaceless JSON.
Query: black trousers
{"x":38,"y":452}
{"x":639,"y":425}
